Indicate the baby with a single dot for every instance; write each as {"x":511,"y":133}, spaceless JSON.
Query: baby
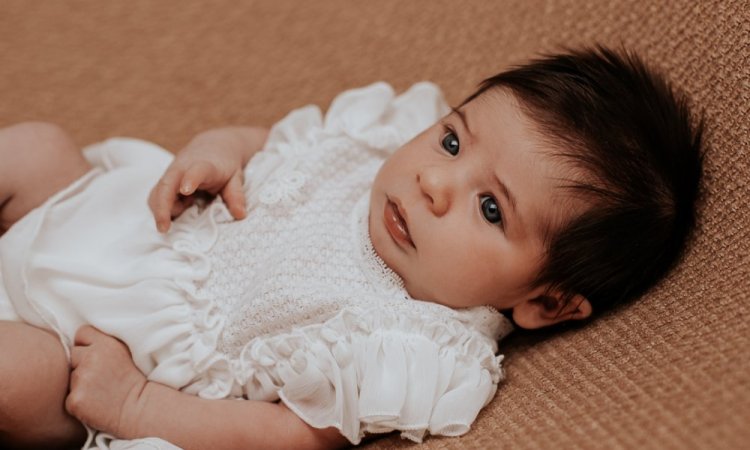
{"x":377,"y":256}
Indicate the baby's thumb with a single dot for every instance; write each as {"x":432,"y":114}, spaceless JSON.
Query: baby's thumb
{"x":234,"y":196}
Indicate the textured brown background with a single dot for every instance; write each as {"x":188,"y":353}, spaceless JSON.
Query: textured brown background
{"x":672,"y":371}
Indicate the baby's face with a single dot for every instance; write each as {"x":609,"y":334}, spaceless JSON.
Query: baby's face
{"x":459,"y":212}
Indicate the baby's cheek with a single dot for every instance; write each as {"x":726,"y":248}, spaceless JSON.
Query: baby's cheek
{"x":456,"y":287}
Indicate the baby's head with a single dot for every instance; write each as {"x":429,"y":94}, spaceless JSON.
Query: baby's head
{"x":559,"y":188}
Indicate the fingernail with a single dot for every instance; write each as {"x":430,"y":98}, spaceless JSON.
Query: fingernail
{"x":185,"y":189}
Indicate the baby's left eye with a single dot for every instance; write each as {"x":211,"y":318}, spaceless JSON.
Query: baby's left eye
{"x":490,"y":209}
{"x":450,"y":143}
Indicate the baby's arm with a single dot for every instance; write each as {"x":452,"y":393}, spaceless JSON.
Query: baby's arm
{"x":108,"y":393}
{"x":36,"y":160}
{"x":213,"y":162}
{"x":194,"y":423}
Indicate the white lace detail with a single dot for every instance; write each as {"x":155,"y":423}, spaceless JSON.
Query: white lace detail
{"x":373,"y":266}
{"x":283,"y":186}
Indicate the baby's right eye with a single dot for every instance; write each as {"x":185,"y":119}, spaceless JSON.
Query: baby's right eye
{"x":450,"y":143}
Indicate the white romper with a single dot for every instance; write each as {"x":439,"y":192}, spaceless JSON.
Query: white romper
{"x":290,"y":304}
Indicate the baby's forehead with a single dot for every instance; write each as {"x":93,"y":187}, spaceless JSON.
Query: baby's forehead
{"x":554,"y":170}
{"x":498,"y":113}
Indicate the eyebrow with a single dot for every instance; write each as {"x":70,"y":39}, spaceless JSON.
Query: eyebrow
{"x":462,"y":116}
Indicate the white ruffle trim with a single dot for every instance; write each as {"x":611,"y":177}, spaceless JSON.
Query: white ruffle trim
{"x":371,"y":116}
{"x":363,"y":371}
{"x":191,"y":237}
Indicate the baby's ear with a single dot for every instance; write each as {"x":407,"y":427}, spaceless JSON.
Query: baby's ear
{"x":550,"y":308}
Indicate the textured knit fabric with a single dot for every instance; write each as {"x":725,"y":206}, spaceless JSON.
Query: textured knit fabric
{"x":291,"y":303}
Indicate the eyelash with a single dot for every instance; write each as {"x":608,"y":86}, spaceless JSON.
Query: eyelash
{"x":484,"y":199}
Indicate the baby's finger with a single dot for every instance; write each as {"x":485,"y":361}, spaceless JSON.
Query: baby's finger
{"x":86,"y":335}
{"x":234,"y":196}
{"x":200,"y":175}
{"x":162,"y":196}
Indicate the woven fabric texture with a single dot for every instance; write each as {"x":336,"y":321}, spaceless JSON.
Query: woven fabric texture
{"x":669,"y":371}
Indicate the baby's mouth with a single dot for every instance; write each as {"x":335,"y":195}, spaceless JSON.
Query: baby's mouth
{"x":396,"y":224}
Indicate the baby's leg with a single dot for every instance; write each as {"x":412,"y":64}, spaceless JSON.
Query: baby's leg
{"x":34,"y":375}
{"x":36,"y":160}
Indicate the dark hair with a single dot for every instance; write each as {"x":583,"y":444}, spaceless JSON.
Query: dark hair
{"x":630,"y":135}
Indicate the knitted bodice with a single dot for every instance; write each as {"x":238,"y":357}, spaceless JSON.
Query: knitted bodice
{"x":302,"y":257}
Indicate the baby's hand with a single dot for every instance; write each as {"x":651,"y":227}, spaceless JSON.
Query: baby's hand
{"x":105,"y":385}
{"x":213,"y":163}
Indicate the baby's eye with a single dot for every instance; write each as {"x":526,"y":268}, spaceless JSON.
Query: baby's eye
{"x":490,"y":209}
{"x":450,"y":143}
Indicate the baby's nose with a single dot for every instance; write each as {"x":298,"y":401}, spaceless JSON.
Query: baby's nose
{"x":435,"y":187}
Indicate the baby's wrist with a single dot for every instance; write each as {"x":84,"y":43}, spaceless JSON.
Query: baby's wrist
{"x":135,"y":414}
